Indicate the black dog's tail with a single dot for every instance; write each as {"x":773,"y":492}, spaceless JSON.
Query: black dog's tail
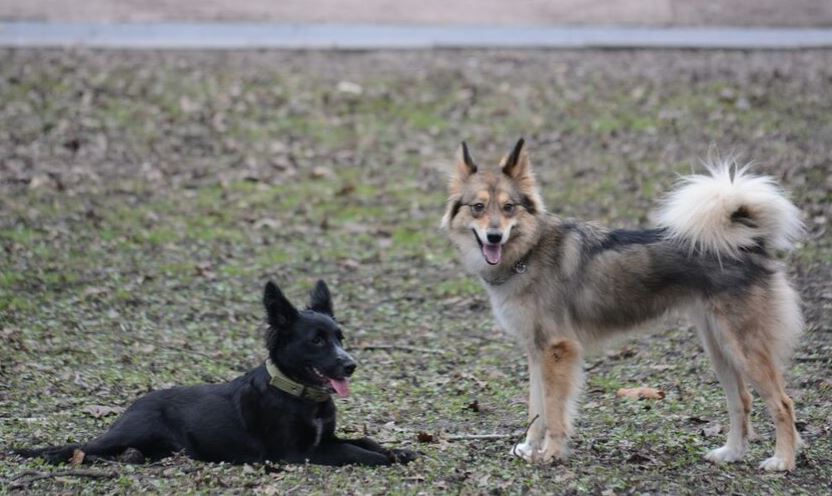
{"x":52,"y":454}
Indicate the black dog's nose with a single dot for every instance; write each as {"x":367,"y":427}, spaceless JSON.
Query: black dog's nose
{"x":349,"y":368}
{"x":494,"y":238}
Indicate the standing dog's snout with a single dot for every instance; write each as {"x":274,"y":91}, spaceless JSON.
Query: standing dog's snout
{"x":494,"y":238}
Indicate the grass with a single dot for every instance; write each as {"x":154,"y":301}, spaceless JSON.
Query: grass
{"x":146,"y":197}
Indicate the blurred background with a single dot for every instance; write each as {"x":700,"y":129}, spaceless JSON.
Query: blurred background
{"x":489,"y":12}
{"x":146,"y":194}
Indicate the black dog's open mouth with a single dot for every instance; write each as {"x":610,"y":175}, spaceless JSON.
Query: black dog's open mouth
{"x":339,"y":385}
{"x":492,"y":253}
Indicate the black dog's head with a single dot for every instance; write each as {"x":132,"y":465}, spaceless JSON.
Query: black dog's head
{"x":306,"y":345}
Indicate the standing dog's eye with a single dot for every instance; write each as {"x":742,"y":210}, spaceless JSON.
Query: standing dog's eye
{"x":317,"y":340}
{"x":477,"y":208}
{"x":508,"y":208}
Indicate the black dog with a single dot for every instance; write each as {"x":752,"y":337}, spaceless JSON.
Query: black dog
{"x":280,"y":411}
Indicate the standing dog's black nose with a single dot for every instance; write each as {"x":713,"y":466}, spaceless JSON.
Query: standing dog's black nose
{"x":349,"y":368}
{"x":494,"y":238}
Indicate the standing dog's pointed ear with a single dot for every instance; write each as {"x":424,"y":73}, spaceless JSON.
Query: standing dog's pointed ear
{"x":465,"y":165}
{"x":516,"y":163}
{"x":465,"y":168}
{"x":280,"y":312}
{"x":320,"y":300}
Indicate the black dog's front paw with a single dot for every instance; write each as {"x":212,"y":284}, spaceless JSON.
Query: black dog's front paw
{"x":402,"y":456}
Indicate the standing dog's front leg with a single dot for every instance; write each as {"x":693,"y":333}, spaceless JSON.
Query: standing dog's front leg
{"x":537,"y":419}
{"x":561,"y":362}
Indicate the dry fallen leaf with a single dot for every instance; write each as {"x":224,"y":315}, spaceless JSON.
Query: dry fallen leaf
{"x":424,"y":437}
{"x":320,"y":171}
{"x":99,"y":411}
{"x":77,"y":457}
{"x":93,"y":291}
{"x":641,"y":393}
{"x":349,"y":87}
{"x":350,"y":264}
{"x":205,"y":269}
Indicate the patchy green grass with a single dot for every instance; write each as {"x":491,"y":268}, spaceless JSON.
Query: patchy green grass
{"x":146,"y":197}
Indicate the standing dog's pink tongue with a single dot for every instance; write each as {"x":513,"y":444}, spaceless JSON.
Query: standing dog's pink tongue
{"x":341,"y":386}
{"x":492,"y":253}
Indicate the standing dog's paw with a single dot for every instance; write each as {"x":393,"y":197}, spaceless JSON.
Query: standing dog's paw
{"x":525,"y":451}
{"x":725,"y":454}
{"x":402,"y":456}
{"x":554,"y":449}
{"x":776,"y":464}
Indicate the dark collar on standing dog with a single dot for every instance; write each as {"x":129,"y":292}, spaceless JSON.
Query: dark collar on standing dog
{"x":279,"y":380}
{"x":519,"y":267}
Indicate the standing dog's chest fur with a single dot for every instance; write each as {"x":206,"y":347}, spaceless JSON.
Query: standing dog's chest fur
{"x":514,"y":313}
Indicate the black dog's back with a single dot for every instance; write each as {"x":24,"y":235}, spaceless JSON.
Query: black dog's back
{"x":252,"y":418}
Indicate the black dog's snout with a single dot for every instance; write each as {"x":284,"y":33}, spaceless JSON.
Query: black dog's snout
{"x":494,"y":238}
{"x":349,"y":368}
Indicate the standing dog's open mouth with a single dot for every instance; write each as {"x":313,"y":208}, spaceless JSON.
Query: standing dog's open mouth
{"x":492,"y":253}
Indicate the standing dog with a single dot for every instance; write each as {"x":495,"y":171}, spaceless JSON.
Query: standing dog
{"x":280,"y":411}
{"x":563,"y":286}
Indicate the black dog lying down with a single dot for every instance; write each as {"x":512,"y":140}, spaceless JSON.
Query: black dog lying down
{"x":281,"y":410}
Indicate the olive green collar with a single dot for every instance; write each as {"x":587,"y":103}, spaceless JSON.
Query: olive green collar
{"x":283,"y":383}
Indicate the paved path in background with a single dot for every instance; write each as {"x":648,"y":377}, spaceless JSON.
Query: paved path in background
{"x":782,"y":13}
{"x":355,"y":36}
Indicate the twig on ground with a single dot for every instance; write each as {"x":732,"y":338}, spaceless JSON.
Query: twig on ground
{"x":397,"y":347}
{"x":805,"y":358}
{"x":168,"y":347}
{"x":21,"y":481}
{"x":466,"y":437}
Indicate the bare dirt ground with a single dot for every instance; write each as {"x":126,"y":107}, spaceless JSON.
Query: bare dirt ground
{"x":145,"y":197}
{"x":792,"y":13}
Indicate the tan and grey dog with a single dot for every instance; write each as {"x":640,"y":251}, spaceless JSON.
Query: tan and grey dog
{"x":563,"y":287}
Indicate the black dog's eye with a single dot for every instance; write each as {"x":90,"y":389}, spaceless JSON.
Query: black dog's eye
{"x":477,"y":208}
{"x":317,"y":340}
{"x":508,"y":208}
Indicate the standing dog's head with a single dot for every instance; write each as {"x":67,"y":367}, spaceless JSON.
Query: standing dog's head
{"x":306,"y":345}
{"x":492,"y":212}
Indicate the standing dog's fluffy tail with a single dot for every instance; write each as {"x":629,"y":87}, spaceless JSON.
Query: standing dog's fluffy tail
{"x":728,"y":211}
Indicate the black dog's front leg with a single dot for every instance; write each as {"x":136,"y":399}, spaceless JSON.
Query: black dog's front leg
{"x":335,"y":451}
{"x":395,"y":455}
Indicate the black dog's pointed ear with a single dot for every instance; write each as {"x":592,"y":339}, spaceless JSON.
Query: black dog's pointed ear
{"x":320,"y":300}
{"x":280,"y":312}
{"x":516,"y":163}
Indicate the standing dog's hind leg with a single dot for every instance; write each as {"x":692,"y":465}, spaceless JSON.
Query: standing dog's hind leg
{"x":762,"y":337}
{"x":737,"y":395}
{"x":767,"y":379}
{"x":562,"y":362}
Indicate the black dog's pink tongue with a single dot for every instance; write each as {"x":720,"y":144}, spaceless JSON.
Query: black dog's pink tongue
{"x":492,"y":253}
{"x":341,"y":386}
